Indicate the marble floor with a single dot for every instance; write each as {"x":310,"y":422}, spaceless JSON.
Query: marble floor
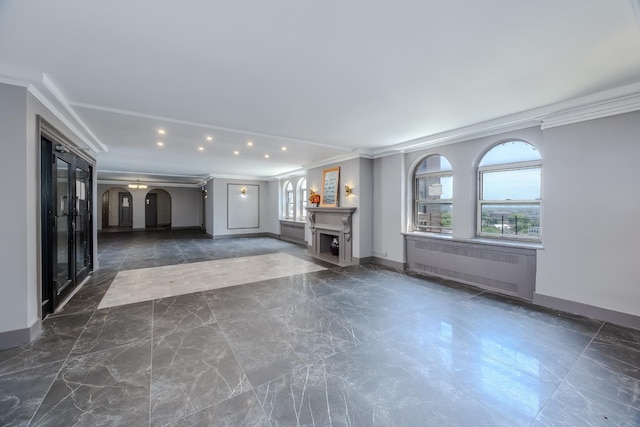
{"x":342,"y":346}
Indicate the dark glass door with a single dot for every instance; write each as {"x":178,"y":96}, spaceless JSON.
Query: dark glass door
{"x":66,"y":221}
{"x":63,"y":226}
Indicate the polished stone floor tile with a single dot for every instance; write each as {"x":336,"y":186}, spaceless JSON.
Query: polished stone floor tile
{"x":59,"y":334}
{"x":340,"y":346}
{"x":22,"y":392}
{"x":192,"y":370}
{"x":109,"y":387}
{"x":114,"y":327}
{"x":310,"y":396}
{"x":262,"y":345}
{"x":316,"y":333}
{"x":180,"y":313}
{"x":243,"y":410}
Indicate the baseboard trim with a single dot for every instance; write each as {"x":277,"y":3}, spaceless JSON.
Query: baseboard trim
{"x":20,"y":336}
{"x":388,"y":263}
{"x":234,"y":236}
{"x":297,"y":242}
{"x":623,"y":319}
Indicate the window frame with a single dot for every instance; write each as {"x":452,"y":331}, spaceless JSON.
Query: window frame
{"x":506,"y":167}
{"x":302,"y":199}
{"x":439,"y":202}
{"x":286,"y":203}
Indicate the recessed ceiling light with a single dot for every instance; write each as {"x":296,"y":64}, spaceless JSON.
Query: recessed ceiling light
{"x":209,"y":138}
{"x":160,"y":143}
{"x":161,"y":131}
{"x":250,"y":143}
{"x":266,"y":156}
{"x":236,"y":152}
{"x":284,"y":148}
{"x":201,"y":148}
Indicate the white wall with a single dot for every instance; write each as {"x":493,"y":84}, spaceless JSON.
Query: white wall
{"x":18,"y":309}
{"x":186,"y":207}
{"x":220,"y":206}
{"x":388,"y":198}
{"x":273,"y":206}
{"x":362,"y":191}
{"x":591,"y":216}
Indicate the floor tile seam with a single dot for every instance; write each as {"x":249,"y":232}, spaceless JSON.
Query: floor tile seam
{"x":62,"y":365}
{"x":563,"y":380}
{"x":91,"y":353}
{"x":151,"y":362}
{"x":226,"y":340}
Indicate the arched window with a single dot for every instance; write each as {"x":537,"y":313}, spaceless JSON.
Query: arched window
{"x":302,"y":199}
{"x":509,"y":192}
{"x":433,"y":195}
{"x":288,"y":200}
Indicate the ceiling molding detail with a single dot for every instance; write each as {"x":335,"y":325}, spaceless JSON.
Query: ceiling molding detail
{"x":62,"y":117}
{"x":602,"y":104}
{"x":197,"y":124}
{"x":366,"y":154}
{"x":55,"y":92}
{"x":591,"y":112}
{"x":150,"y":185}
{"x":43,"y":89}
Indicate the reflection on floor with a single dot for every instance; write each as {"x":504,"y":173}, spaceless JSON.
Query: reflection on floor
{"x":345,"y":346}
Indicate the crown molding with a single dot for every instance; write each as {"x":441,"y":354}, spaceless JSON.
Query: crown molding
{"x":150,"y":185}
{"x":44,"y":90}
{"x":355,"y":154}
{"x":603,"y":109}
{"x":611,"y":102}
{"x":55,"y":92}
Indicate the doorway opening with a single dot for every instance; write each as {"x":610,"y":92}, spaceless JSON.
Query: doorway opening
{"x":157,"y":209}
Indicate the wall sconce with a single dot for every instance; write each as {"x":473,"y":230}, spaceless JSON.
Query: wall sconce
{"x":243,"y":191}
{"x":137,"y":184}
{"x":347,"y":190}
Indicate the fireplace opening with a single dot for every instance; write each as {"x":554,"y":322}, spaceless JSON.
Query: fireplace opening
{"x":325,"y":243}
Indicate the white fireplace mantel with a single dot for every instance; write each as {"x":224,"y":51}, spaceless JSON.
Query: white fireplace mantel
{"x":327,"y":223}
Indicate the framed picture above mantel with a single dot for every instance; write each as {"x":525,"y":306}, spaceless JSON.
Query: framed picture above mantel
{"x":330,"y":186}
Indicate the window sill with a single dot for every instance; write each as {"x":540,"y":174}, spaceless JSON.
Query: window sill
{"x":292,"y":221}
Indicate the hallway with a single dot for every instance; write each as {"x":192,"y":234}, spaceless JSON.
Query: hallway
{"x":342,"y":346}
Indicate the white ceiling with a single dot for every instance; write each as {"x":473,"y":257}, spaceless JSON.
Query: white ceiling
{"x":324,"y":79}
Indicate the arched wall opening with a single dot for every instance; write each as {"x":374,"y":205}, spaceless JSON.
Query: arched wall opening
{"x":157,"y":209}
{"x":117,"y":208}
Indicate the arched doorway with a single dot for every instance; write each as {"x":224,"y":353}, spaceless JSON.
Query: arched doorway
{"x":157,"y":213}
{"x":117,"y":208}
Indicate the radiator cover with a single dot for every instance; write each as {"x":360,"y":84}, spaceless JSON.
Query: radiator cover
{"x":505,"y":269}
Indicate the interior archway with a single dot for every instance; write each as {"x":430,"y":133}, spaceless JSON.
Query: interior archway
{"x":157,"y":209}
{"x":117,"y":208}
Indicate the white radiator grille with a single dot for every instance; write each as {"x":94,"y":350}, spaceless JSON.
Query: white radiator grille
{"x":504,"y":269}
{"x":468,"y":252}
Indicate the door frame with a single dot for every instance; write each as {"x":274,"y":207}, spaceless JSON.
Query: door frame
{"x":52,"y":148}
{"x":121,"y":195}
